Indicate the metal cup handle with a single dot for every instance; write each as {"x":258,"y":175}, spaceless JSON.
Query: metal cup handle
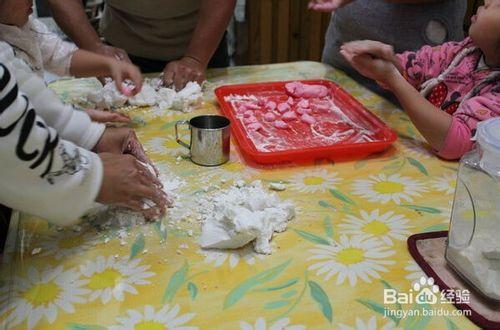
{"x":177,"y":138}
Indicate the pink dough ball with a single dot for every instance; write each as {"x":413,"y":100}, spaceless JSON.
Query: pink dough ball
{"x":304,"y":104}
{"x":269,"y":116}
{"x":303,"y":111}
{"x":254,"y":127}
{"x":250,"y":106}
{"x":298,"y":89}
{"x":280,"y":124}
{"x":289,"y":116}
{"x":248,"y":114}
{"x":308,"y":119}
{"x":283,"y":107}
{"x":271,"y":105}
{"x":128,"y":90}
{"x":250,"y":120}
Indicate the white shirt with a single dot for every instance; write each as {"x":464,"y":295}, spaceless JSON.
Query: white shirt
{"x":39,"y":47}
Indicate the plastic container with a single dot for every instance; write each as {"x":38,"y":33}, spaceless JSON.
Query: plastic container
{"x":473,"y":248}
{"x":302,"y":143}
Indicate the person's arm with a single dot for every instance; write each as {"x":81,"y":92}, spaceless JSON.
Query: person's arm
{"x":72,"y":125}
{"x":41,"y":173}
{"x":88,"y":64}
{"x":465,"y":119}
{"x":50,"y":177}
{"x":64,"y":59}
{"x":374,"y":60}
{"x":70,"y":16}
{"x":431,"y":122}
{"x":213,"y":18}
{"x":332,"y":5}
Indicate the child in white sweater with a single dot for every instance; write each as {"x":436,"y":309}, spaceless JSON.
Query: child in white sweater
{"x":43,"y":51}
{"x":47,"y":168}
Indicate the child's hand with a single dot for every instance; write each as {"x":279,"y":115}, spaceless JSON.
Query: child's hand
{"x":327,"y":5}
{"x":372,"y":59}
{"x":107,"y":116}
{"x":121,"y":71}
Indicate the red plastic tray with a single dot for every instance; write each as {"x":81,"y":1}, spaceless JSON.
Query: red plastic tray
{"x":300,"y":144}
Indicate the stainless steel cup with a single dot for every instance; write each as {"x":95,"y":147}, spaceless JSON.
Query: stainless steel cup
{"x":210,"y":139}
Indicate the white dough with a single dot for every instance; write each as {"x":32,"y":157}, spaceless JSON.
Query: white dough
{"x":187,"y":98}
{"x":277,"y":186}
{"x":108,"y":97}
{"x":244,"y":214}
{"x":147,"y":97}
{"x":151,"y":95}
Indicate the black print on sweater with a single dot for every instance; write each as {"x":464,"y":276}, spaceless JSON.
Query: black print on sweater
{"x":27,"y":120}
{"x":72,"y":164}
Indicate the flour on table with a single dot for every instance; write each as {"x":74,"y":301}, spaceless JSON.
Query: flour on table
{"x":242,"y":214}
{"x":107,"y":217}
{"x":153,"y":95}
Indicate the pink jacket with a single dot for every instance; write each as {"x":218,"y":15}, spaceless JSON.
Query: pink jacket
{"x":455,"y":78}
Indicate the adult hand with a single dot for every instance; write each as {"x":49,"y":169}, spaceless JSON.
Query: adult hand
{"x":123,"y":141}
{"x":128,"y":183}
{"x":110,"y":51}
{"x":107,"y":116}
{"x":327,"y":6}
{"x":121,"y":71}
{"x":372,"y":59}
{"x":179,"y":73}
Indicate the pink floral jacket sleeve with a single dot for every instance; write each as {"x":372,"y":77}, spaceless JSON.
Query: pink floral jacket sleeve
{"x":450,"y":93}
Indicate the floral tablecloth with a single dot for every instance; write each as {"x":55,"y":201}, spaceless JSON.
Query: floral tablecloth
{"x":328,"y":270}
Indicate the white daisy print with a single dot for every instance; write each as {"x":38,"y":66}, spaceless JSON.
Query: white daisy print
{"x":219,"y":257}
{"x":311,"y":181}
{"x":371,"y":324}
{"x":66,"y":245}
{"x":417,"y":148}
{"x":387,"y":226}
{"x":42,"y":295}
{"x":382,"y":188}
{"x":352,"y":259}
{"x":446,"y":184}
{"x":261,"y":324}
{"x":415,"y":273}
{"x":166,"y":146}
{"x":112,"y":278}
{"x":150,"y":319}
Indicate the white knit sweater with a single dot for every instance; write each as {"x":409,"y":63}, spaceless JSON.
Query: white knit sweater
{"x":46,"y":168}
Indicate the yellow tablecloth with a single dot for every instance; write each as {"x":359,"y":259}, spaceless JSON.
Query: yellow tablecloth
{"x":346,"y":245}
